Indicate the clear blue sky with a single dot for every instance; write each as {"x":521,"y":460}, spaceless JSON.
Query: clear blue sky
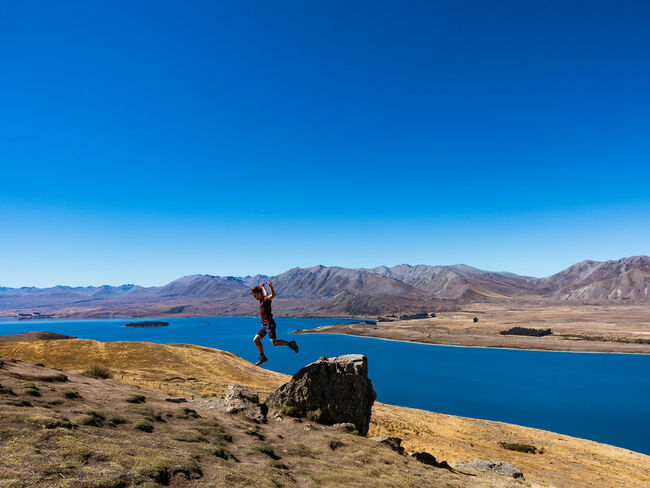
{"x":145,"y":140}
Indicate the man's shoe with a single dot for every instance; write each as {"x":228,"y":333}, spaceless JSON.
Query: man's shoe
{"x":294,"y":346}
{"x":261,"y":359}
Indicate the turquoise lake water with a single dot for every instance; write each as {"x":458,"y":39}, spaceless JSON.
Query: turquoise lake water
{"x":602,"y":397}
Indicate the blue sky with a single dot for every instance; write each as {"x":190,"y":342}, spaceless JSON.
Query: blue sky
{"x":142,"y":141}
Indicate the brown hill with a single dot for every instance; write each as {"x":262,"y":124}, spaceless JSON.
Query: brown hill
{"x":33,"y":336}
{"x":191,"y":370}
{"x":623,"y":279}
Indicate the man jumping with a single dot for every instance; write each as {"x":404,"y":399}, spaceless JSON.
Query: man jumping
{"x":268,"y":324}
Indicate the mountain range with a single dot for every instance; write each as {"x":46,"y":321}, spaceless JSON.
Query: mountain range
{"x":324,"y":291}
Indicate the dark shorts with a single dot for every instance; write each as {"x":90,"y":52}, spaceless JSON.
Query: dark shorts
{"x":267,"y":328}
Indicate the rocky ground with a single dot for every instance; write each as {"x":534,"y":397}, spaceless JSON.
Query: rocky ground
{"x":35,"y":454}
{"x":584,"y":328}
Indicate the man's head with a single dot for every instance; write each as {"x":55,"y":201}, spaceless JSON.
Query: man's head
{"x":256,"y":291}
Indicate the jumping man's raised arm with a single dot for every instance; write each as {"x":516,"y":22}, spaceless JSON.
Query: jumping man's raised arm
{"x":263,"y":289}
{"x":272,"y":295}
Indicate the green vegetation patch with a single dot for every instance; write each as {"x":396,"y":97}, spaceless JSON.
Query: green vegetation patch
{"x":150,"y":414}
{"x":315,"y":415}
{"x":136,"y":399}
{"x":190,"y":436}
{"x":525,"y":331}
{"x":32,"y":390}
{"x":290,"y":411}
{"x":91,"y":418}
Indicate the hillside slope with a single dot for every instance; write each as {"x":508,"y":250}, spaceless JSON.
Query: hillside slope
{"x":73,"y":431}
{"x":191,"y":370}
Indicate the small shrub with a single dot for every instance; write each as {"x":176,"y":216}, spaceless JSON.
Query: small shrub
{"x":31,"y":389}
{"x":144,"y":426}
{"x":117,"y":420}
{"x":290,"y":411}
{"x":71,"y":395}
{"x":97,"y":371}
{"x":40,"y":365}
{"x":334,"y":445}
{"x":5,"y":390}
{"x":519,"y":447}
{"x":187,"y":413}
{"x":224,"y":454}
{"x":92,"y":418}
{"x":136,"y":399}
{"x":314,"y":415}
{"x":279,"y":465}
{"x":19,"y":403}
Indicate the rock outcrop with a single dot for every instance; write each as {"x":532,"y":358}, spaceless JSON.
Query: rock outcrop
{"x":500,"y":467}
{"x":240,"y":399}
{"x":395,"y":443}
{"x":329,"y":391}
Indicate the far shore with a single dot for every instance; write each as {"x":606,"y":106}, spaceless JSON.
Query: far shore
{"x":624,"y":330}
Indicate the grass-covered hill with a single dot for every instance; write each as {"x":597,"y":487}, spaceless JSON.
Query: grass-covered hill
{"x":184,"y":443}
{"x":70,"y":430}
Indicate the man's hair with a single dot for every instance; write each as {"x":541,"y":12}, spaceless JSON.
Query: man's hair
{"x":256,"y":289}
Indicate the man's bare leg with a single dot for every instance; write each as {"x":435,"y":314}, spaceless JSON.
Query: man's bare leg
{"x":280,"y":342}
{"x":258,"y":343}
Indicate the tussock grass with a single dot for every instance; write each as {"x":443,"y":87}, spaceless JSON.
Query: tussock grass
{"x":136,"y":399}
{"x":144,"y":426}
{"x":99,"y":372}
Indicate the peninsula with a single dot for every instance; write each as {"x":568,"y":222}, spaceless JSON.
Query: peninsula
{"x":577,"y":328}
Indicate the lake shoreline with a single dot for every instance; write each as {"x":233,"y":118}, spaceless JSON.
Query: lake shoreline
{"x":621,"y":329}
{"x":314,"y":331}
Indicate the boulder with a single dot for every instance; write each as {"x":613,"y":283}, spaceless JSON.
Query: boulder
{"x":500,"y":467}
{"x":330,"y":391}
{"x":426,"y":458}
{"x":240,"y":399}
{"x":393,"y":442}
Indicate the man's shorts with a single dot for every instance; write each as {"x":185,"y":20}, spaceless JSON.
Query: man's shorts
{"x":270,"y":328}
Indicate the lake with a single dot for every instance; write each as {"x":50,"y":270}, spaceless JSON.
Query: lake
{"x":602,"y":397}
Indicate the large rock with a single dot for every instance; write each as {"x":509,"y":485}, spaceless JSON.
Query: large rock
{"x":329,"y":391}
{"x":395,"y":443}
{"x":500,"y":467}
{"x":239,"y":399}
{"x":426,"y":458}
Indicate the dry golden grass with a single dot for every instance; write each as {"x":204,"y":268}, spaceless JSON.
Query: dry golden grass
{"x":181,"y":369}
{"x":566,"y":461}
{"x":52,"y":443}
